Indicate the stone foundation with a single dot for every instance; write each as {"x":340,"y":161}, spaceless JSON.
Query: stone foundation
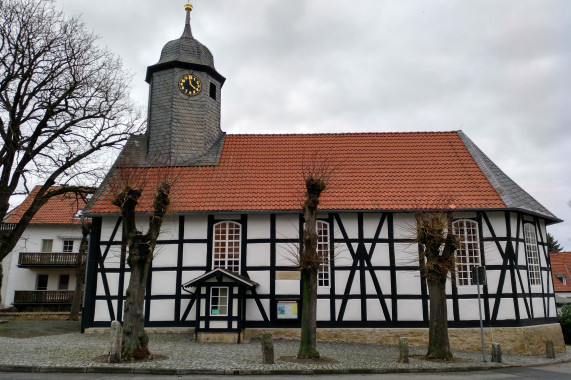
{"x":217,"y":337}
{"x":514,"y":340}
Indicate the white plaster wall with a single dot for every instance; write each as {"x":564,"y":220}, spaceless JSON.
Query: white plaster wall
{"x":381,"y":255}
{"x":6,"y":262}
{"x":350,"y":223}
{"x":252,"y":311}
{"x":165,"y":255}
{"x":190,"y":275}
{"x":384,"y":280}
{"x":287,"y":287}
{"x":195,"y":226}
{"x":107,"y":226}
{"x":101,"y":313}
{"x":162,"y":310}
{"x":323,"y":310}
{"x":194,"y":254}
{"x":468,"y":309}
{"x":408,"y":282}
{"x":285,"y":254}
{"x":498,"y":223}
{"x":375,"y":310}
{"x":406,"y":254}
{"x":169,"y":228}
{"x":192,"y":314}
{"x":163,"y":283}
{"x":352,"y":309}
{"x":259,"y":226}
{"x":538,"y":310}
{"x":371,"y":222}
{"x":505,"y":310}
{"x":263,"y":279}
{"x":404,"y":226}
{"x":112,"y":281}
{"x":258,"y":254}
{"x":16,"y":278}
{"x":287,"y":226}
{"x":409,"y":310}
{"x":113,"y":258}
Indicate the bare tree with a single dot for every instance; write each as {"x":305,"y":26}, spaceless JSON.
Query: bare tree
{"x":435,"y":235}
{"x":127,"y":191}
{"x":316,"y":178}
{"x":62,"y":100}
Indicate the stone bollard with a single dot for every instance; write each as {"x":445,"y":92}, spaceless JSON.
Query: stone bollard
{"x":267,"y":349}
{"x":496,"y":353}
{"x":115,"y":349}
{"x":549,"y":350}
{"x":403,"y":350}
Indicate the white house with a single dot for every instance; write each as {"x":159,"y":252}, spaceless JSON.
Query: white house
{"x":39,"y":274}
{"x":224,"y":268}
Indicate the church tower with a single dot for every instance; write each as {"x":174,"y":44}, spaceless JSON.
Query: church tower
{"x":184,"y":104}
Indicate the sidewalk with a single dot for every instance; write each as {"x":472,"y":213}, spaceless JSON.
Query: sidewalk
{"x":75,"y":352}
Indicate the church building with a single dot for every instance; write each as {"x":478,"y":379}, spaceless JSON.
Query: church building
{"x":224,"y":267}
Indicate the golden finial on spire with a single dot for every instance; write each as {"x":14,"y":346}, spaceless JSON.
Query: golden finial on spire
{"x":188,"y":7}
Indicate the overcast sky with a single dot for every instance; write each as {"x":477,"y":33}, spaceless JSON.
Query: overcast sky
{"x":498,"y":70}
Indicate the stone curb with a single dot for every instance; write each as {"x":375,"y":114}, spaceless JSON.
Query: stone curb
{"x":316,"y":371}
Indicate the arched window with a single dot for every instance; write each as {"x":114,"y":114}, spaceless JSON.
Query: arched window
{"x":323,"y":252}
{"x":226,"y":253}
{"x":533,"y":268}
{"x":468,"y":253}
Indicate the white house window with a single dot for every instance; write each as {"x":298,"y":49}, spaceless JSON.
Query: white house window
{"x":468,"y":253}
{"x":47,"y":245}
{"x":67,"y":246}
{"x":323,"y":252}
{"x":532,"y":255}
{"x":219,"y":301}
{"x":227,"y":246}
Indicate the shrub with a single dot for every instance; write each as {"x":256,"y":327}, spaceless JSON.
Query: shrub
{"x":564,"y":317}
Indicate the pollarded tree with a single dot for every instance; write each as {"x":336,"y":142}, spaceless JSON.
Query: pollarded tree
{"x":316,"y":179}
{"x":140,"y":253}
{"x":435,"y":235}
{"x":62,"y":101}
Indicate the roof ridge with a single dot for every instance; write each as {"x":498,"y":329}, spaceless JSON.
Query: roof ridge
{"x":343,"y":133}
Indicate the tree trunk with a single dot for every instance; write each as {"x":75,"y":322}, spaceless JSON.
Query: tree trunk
{"x":308,"y":342}
{"x":135,"y":341}
{"x":309,"y":262}
{"x":438,"y":343}
{"x":80,"y":272}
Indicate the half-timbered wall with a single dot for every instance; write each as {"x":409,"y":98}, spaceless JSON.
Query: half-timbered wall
{"x":374,"y":277}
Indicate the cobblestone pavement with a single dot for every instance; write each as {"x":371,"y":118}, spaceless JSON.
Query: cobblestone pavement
{"x":75,"y":352}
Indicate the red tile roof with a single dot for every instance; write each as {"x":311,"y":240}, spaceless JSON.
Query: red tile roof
{"x":561,"y":263}
{"x":373,"y":171}
{"x":60,"y":209}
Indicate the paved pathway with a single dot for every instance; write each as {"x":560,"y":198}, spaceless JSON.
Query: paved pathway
{"x":75,"y":352}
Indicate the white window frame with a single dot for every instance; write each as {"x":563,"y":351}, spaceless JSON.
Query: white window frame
{"x":323,"y":250}
{"x":532,"y":254}
{"x":218,"y":298}
{"x":468,"y":254}
{"x":63,"y":249}
{"x":223,"y":242}
{"x":47,"y":243}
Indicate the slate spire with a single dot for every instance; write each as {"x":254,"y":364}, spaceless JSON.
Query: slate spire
{"x":187,"y":30}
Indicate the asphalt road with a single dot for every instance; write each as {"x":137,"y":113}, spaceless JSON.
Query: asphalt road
{"x":551,"y":372}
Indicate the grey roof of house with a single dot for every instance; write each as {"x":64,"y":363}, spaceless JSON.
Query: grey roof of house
{"x":511,"y":193}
